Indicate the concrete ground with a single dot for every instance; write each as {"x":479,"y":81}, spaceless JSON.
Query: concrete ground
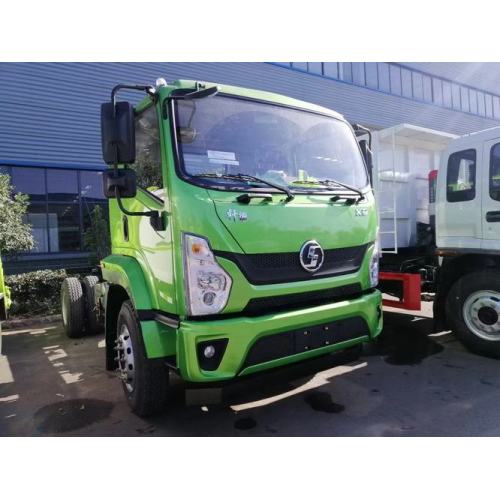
{"x":411,"y":383}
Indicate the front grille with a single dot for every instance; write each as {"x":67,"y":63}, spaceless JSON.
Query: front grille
{"x":266,"y":305}
{"x":281,"y":345}
{"x":284,"y":267}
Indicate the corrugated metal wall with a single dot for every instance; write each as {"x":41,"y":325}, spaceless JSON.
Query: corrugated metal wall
{"x":49,"y":112}
{"x":483,"y":75}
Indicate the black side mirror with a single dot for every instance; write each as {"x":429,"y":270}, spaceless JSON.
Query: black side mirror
{"x":123,"y":180}
{"x":368,"y":156}
{"x":117,"y":133}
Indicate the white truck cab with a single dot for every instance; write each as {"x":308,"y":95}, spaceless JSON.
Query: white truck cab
{"x":468,"y":194}
{"x":468,"y":240}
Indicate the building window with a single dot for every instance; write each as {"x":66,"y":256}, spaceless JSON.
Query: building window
{"x":346,"y":71}
{"x":300,"y":65}
{"x":418,"y":86}
{"x":488,"y":100}
{"x":473,"y":101}
{"x":464,"y":99}
{"x":358,"y":73}
{"x":447,"y":94}
{"x":371,"y":75}
{"x":61,"y":201}
{"x":37,"y":217}
{"x":495,"y":172}
{"x":427,"y":84}
{"x":30,"y":181}
{"x":455,"y":96}
{"x":496,"y":107}
{"x":406,"y":83}
{"x":62,"y":185}
{"x":384,"y":80}
{"x":395,"y":76}
{"x":315,"y":67}
{"x":481,"y":109}
{"x":91,"y":188}
{"x":437,"y":91}
{"x":331,"y":69}
{"x":461,"y":176}
{"x":64,"y":227}
{"x":396,"y":79}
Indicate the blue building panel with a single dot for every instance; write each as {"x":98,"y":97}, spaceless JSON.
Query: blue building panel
{"x":49,"y":118}
{"x":49,"y":112}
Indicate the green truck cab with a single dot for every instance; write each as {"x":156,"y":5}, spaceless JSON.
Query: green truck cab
{"x":244,"y":237}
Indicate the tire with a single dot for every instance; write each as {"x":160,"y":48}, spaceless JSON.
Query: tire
{"x":93,"y":318}
{"x":473,"y":312}
{"x":72,"y":307}
{"x":145,"y":381}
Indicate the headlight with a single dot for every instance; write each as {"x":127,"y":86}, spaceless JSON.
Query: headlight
{"x":207,"y":284}
{"x":374,"y":265}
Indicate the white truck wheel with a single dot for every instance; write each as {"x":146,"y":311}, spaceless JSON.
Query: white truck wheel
{"x":473,"y":311}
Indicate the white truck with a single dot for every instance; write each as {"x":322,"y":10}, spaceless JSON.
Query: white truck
{"x":439,"y":203}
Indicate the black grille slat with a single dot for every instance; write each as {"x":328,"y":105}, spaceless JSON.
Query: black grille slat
{"x":281,"y":345}
{"x":266,"y":305}
{"x":284,"y":267}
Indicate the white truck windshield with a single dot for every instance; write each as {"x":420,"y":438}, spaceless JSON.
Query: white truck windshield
{"x":224,"y":136}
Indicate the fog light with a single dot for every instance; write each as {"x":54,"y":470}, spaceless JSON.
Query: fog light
{"x":209,"y":351}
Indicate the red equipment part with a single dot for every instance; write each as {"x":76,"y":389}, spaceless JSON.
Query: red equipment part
{"x":411,"y":290}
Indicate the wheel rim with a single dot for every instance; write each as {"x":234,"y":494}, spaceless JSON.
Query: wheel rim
{"x":126,"y":364}
{"x":481,"y":313}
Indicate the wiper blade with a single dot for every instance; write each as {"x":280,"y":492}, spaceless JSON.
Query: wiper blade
{"x":329,"y":183}
{"x":283,"y":189}
{"x":246,"y":177}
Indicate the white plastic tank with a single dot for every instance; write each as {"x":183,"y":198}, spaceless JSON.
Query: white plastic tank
{"x":403,"y":157}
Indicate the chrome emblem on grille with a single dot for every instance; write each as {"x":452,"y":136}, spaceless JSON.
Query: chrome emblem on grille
{"x":311,"y":256}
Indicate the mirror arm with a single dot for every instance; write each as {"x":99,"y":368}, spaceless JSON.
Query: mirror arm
{"x":150,"y":213}
{"x":149,"y":89}
{"x":195,"y":94}
{"x":363,"y":130}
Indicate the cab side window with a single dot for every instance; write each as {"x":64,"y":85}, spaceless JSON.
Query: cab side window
{"x":147,"y":143}
{"x":461,"y":176}
{"x":495,"y":172}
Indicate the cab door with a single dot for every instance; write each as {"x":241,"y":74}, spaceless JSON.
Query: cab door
{"x":458,"y":210}
{"x":491,"y":195}
{"x":150,"y":245}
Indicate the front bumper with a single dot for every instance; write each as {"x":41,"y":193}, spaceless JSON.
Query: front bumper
{"x":246,"y":339}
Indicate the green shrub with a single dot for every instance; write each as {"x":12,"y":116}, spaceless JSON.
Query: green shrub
{"x":36,"y":293}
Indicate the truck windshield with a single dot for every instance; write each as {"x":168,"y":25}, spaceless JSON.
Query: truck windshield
{"x":221,"y":139}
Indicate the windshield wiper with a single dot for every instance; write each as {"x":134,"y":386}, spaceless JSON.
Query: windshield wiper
{"x":328,"y":182}
{"x":246,"y":177}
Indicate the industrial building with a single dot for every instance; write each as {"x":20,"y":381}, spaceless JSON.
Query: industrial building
{"x":50,"y":125}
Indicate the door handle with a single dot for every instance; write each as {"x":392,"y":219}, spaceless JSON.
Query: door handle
{"x":493,"y":216}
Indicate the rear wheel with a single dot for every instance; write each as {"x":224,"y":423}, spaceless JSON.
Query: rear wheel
{"x":72,"y":307}
{"x":93,"y":319}
{"x":473,"y":311}
{"x":145,"y":381}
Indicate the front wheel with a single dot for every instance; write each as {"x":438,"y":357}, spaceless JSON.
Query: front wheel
{"x":473,"y":312}
{"x":145,"y":381}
